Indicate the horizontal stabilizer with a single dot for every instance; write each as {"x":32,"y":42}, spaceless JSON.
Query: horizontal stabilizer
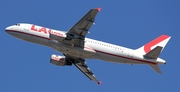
{"x":154,"y":54}
{"x":156,"y":68}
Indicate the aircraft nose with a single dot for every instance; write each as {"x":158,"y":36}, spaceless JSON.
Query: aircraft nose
{"x":8,"y":29}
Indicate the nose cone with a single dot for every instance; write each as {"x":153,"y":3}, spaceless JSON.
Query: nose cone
{"x":8,"y":29}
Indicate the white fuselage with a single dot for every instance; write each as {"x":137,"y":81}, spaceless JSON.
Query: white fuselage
{"x":92,"y":48}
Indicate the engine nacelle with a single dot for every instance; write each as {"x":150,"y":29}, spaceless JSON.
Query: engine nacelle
{"x":58,"y":60}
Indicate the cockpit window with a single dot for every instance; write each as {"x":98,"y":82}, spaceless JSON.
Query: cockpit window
{"x":17,"y":24}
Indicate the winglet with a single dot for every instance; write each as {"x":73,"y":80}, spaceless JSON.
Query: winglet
{"x":99,"y":82}
{"x":99,"y":9}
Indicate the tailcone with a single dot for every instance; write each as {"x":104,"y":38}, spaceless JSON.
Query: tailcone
{"x":161,"y":61}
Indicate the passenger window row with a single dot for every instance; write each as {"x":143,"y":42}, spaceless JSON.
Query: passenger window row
{"x":103,"y":44}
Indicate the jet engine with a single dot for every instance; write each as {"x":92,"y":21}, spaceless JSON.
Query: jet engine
{"x":59,"y":60}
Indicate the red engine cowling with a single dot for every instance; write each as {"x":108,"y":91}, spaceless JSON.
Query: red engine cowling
{"x":58,"y":60}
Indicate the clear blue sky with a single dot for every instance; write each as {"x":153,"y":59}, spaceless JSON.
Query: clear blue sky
{"x":25,"y":67}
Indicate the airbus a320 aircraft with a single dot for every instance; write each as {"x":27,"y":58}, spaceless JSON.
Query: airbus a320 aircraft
{"x":76,"y":47}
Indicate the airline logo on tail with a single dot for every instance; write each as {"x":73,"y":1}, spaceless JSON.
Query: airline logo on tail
{"x":160,"y":41}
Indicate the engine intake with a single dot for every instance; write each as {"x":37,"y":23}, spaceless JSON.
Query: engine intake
{"x":59,"y":60}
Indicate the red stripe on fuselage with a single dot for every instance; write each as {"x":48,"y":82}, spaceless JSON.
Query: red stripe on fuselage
{"x":88,"y":48}
{"x":145,"y":61}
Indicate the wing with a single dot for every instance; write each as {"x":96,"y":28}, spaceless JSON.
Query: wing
{"x":82,"y":66}
{"x":77,"y":33}
{"x":80,"y":29}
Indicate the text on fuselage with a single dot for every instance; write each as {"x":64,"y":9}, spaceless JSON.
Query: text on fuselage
{"x":40,"y":29}
{"x":46,"y":30}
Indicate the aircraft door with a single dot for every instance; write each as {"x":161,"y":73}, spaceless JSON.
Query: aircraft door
{"x":26,"y":28}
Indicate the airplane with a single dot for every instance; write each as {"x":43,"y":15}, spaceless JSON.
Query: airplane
{"x":75,"y":47}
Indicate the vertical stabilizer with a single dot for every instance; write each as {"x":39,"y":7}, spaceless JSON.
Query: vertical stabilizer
{"x":160,"y":41}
